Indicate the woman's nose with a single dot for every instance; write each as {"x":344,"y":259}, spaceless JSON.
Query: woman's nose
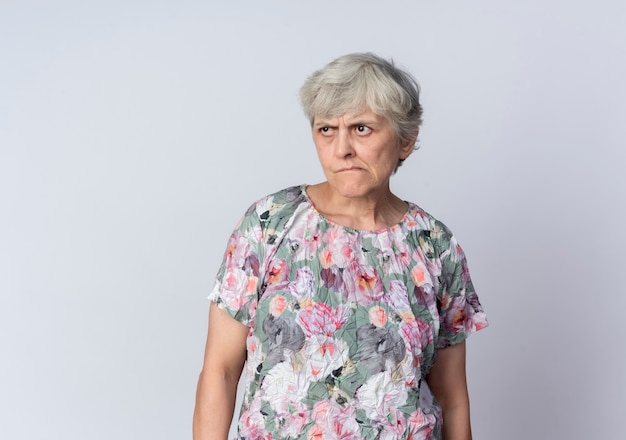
{"x":344,"y":147}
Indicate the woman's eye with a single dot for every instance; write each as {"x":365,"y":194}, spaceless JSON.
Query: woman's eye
{"x":363,"y":129}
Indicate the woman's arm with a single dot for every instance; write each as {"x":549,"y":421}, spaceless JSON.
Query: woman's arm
{"x":447,"y":381}
{"x":224,"y":358}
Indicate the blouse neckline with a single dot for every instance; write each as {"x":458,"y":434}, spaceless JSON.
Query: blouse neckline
{"x":348,"y":228}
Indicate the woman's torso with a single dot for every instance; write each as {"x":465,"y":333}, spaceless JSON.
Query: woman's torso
{"x":345,"y":326}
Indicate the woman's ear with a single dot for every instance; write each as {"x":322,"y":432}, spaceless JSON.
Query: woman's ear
{"x":408,"y":147}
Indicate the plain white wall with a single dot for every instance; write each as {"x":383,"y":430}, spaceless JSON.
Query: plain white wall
{"x":133,"y":134}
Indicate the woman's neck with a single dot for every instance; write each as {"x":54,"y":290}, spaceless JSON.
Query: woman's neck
{"x":371,"y":212}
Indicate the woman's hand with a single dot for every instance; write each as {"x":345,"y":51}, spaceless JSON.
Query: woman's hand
{"x":448,"y":383}
{"x":224,"y":358}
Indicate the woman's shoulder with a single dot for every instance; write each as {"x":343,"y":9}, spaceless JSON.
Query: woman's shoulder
{"x":276,"y":208}
{"x":422,"y":219}
{"x":278,"y":201}
{"x":428,"y":225}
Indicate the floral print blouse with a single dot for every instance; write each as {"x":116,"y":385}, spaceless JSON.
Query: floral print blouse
{"x":344,"y":324}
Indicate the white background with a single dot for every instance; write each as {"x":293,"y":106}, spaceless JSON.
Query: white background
{"x":133,"y":135}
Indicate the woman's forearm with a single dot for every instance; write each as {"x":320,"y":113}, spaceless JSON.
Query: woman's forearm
{"x":215,"y":402}
{"x":456,"y":423}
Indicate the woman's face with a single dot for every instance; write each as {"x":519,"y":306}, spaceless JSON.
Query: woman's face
{"x":358,"y":152}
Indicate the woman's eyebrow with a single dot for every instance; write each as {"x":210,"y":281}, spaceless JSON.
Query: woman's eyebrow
{"x":325,"y":123}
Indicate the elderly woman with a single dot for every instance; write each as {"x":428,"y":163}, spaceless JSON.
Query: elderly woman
{"x":348,"y":306}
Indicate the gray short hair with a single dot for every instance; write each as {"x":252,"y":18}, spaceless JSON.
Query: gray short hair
{"x":352,"y":83}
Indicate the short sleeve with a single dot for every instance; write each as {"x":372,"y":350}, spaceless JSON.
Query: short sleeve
{"x":460,"y":311}
{"x":238,"y":279}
